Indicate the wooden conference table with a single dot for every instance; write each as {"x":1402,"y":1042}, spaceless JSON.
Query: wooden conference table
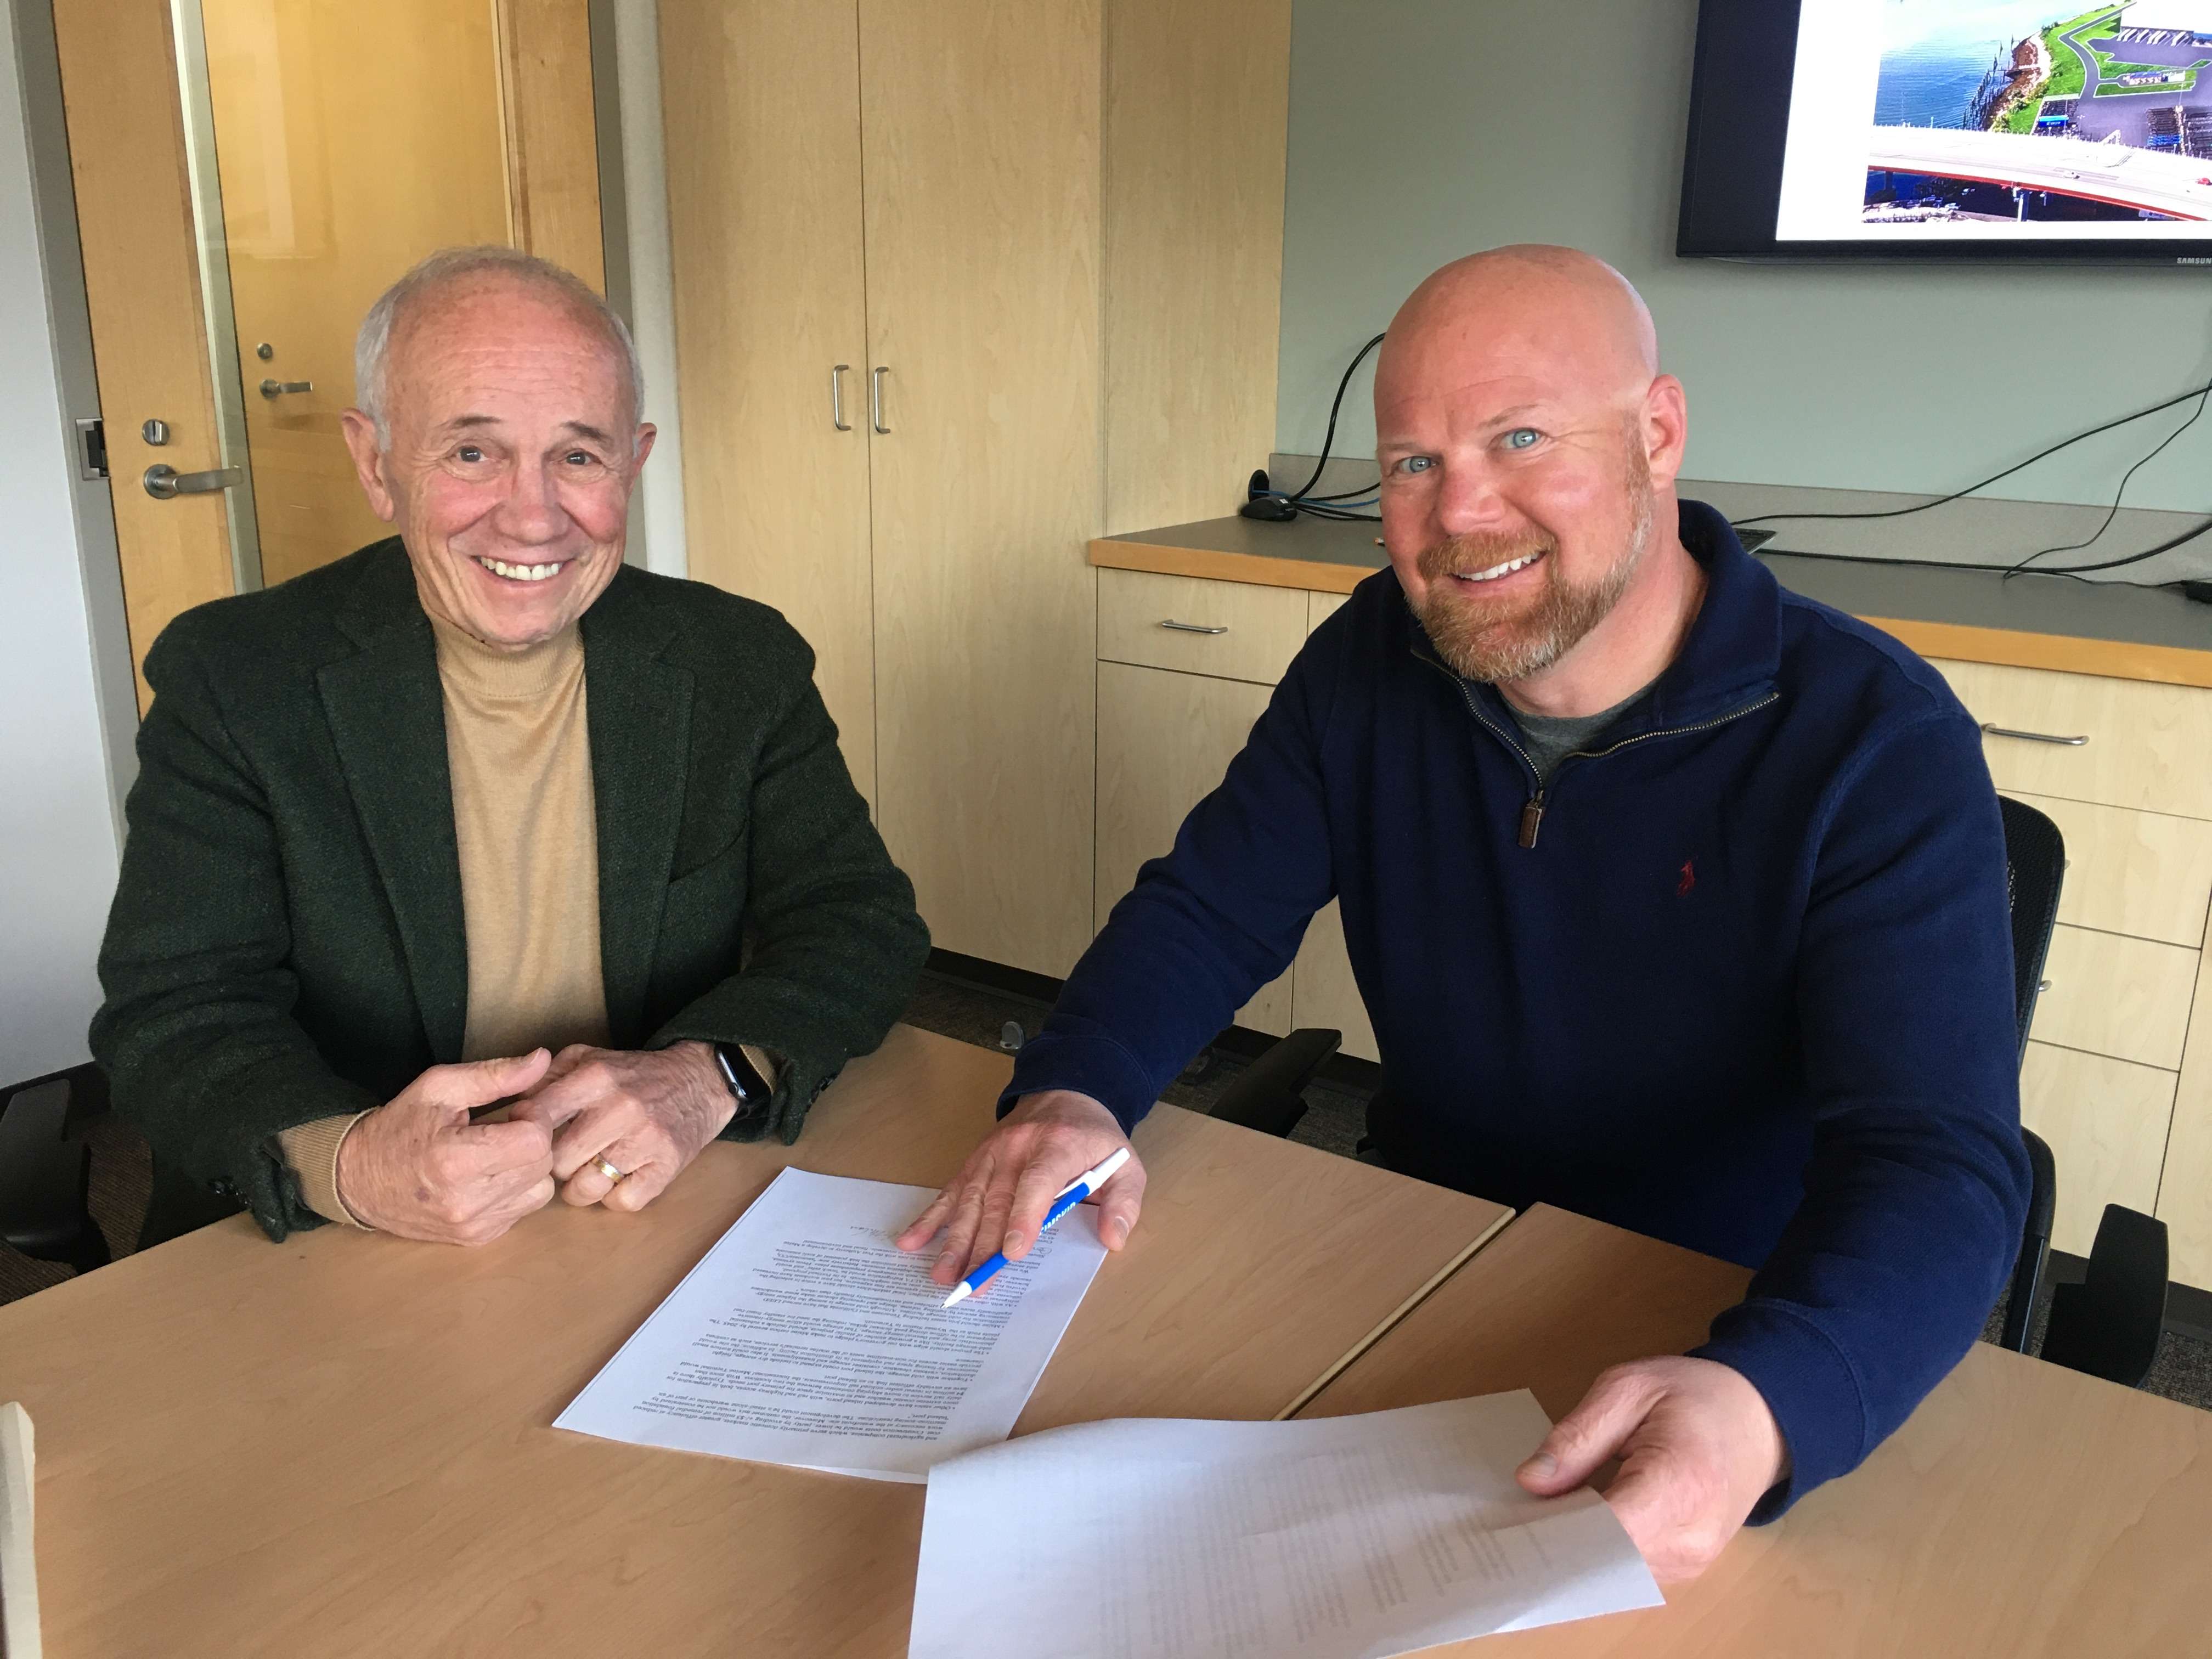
{"x":2023,"y":1510}
{"x":341,"y":1445}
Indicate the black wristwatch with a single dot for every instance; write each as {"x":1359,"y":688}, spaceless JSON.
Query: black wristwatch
{"x":752,"y":1088}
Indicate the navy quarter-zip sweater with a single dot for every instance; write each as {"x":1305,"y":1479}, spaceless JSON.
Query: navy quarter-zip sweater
{"x":1740,"y":978}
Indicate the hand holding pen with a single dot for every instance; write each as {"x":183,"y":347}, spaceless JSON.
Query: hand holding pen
{"x":1064,"y":1201}
{"x":1001,"y":1194}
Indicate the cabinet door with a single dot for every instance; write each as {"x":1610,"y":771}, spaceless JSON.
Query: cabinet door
{"x":1324,"y":992}
{"x":1327,"y":994}
{"x":2185,"y":1190}
{"x":1164,"y":739}
{"x":982,"y":125}
{"x":2106,"y":1121}
{"x":762,"y":110}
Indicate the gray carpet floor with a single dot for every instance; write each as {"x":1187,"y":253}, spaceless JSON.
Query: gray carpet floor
{"x":1335,"y":1119}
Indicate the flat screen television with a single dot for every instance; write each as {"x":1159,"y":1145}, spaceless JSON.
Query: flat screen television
{"x":1951,"y":130}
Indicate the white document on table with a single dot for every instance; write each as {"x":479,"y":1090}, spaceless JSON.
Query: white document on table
{"x":1342,"y":1536}
{"x":805,"y":1337}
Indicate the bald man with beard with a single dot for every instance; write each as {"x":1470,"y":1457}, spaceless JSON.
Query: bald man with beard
{"x":1676,"y":899}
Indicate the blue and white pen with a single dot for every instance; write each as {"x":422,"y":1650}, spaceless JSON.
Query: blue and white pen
{"x":1066,"y":1200}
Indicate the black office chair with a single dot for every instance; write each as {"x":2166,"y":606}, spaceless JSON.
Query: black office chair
{"x":2035,"y":869}
{"x":1269,"y":1094}
{"x":46,"y":1180}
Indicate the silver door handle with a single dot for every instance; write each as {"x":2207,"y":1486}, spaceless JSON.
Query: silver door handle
{"x":837,"y":398}
{"x":166,"y":483}
{"x":875,"y":399}
{"x":1191,"y":628}
{"x":2033,"y":736}
{"x":278,"y":388}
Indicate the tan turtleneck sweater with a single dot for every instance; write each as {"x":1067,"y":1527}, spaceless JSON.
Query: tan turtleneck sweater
{"x":521,"y":762}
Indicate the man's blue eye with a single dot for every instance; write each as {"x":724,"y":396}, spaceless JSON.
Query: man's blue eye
{"x":1522,"y":436}
{"x":1417,"y":464}
{"x":470,"y":452}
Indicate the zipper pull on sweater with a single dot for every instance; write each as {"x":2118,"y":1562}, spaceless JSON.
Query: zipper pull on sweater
{"x":1532,"y":818}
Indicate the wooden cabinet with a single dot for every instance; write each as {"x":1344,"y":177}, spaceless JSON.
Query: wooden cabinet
{"x":2106,"y":1122}
{"x":1322,"y":990}
{"x":2119,"y":1079}
{"x":2185,"y":1191}
{"x":982,"y":127}
{"x":1233,"y":630}
{"x":1174,"y":707}
{"x":2147,"y":875}
{"x":1028,"y":234}
{"x":1164,"y":739}
{"x":2145,"y":745}
{"x":776,"y":495}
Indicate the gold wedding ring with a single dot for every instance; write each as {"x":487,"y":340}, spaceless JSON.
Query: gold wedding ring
{"x":608,"y":1170}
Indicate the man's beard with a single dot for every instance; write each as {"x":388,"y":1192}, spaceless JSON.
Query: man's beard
{"x":1482,"y":640}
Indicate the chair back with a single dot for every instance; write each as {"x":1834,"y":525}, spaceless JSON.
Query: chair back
{"x":2035,"y":865}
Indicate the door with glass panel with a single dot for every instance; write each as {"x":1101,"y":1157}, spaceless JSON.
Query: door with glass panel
{"x":249,"y":175}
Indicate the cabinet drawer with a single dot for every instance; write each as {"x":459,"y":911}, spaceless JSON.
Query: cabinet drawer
{"x":2147,"y":743}
{"x":1261,"y":628}
{"x":2147,"y":874}
{"x":1320,"y":607}
{"x":2107,"y":1121}
{"x":2126,"y":998}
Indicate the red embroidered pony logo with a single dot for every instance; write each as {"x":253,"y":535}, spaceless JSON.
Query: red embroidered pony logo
{"x":1689,"y":879}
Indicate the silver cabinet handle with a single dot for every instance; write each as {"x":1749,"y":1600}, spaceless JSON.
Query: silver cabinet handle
{"x":1191,"y":628}
{"x":278,"y":388}
{"x":2033,"y":736}
{"x":2041,"y":986}
{"x":875,"y":399}
{"x":837,"y":398}
{"x":166,"y":483}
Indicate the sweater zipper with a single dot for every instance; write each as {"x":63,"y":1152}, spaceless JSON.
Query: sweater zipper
{"x":1531,"y":811}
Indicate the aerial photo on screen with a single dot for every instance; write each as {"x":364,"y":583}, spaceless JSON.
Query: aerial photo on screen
{"x":1993,"y":114}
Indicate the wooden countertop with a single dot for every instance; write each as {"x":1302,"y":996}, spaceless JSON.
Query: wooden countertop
{"x":2112,"y":628}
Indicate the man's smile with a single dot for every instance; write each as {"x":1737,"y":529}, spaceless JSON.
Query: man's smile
{"x":1497,"y":572}
{"x":522,"y":573}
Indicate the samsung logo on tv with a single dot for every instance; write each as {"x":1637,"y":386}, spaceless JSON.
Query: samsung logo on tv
{"x":2184,"y":261}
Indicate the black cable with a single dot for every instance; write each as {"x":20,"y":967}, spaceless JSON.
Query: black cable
{"x":1328,"y":440}
{"x":2120,"y":495}
{"x":1995,"y":478}
{"x":2074,"y":570}
{"x":2167,"y":546}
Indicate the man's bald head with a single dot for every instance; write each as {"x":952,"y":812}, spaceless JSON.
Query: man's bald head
{"x":1555,"y":311}
{"x":439,"y":286}
{"x":1528,"y":446}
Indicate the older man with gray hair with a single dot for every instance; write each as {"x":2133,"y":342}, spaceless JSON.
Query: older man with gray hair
{"x":478,"y":815}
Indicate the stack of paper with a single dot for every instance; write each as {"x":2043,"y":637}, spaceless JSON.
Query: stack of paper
{"x":805,"y":1337}
{"x":1369,"y":1535}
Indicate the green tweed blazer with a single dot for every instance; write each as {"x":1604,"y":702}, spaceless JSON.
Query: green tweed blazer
{"x":287,"y":941}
